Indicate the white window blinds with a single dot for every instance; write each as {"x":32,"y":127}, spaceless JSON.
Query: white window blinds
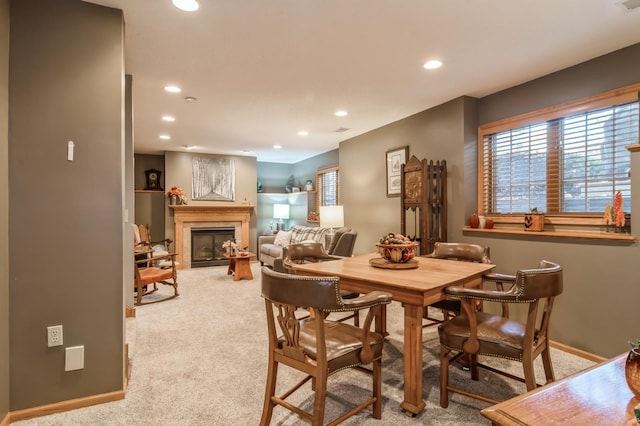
{"x":572,"y":163}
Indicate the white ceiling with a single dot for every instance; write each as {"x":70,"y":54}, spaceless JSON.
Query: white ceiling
{"x":262,"y":70}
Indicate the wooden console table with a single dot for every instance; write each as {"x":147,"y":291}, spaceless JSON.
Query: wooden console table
{"x":596,"y":396}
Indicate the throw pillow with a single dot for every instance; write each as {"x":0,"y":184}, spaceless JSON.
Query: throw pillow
{"x":283,"y":238}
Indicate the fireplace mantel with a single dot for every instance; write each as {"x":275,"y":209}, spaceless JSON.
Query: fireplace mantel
{"x":188,"y":214}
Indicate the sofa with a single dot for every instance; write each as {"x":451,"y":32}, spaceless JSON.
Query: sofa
{"x":270,"y":246}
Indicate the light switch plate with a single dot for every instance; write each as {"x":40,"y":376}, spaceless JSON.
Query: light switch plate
{"x":74,"y":358}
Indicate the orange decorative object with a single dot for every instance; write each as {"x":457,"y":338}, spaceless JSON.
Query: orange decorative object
{"x":618,"y":210}
{"x":632,"y":371}
{"x":474,"y":221}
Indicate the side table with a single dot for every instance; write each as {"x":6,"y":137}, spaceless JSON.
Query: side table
{"x":239,"y":266}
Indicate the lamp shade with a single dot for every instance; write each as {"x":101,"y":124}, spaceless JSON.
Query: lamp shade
{"x":331,"y":216}
{"x":281,"y":211}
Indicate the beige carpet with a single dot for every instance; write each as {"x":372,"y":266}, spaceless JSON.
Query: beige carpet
{"x":200,"y":359}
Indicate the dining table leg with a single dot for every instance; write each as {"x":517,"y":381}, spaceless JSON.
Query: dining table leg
{"x":413,"y":403}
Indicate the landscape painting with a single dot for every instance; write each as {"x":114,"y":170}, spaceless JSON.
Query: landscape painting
{"x":214,"y":179}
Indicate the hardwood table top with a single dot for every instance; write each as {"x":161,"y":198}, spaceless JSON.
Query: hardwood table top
{"x":596,"y":396}
{"x":420,"y":286}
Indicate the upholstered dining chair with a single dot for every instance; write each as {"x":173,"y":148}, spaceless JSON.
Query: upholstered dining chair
{"x":453,"y":251}
{"x":316,"y":346}
{"x":312,"y":252}
{"x":473,"y":333}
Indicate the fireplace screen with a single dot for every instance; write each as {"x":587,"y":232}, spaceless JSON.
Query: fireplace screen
{"x":206,"y":246}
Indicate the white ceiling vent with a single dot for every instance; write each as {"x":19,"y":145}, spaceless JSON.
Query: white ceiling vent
{"x":631,"y":4}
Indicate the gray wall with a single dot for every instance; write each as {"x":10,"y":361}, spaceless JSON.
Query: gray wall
{"x":4,"y":209}
{"x":274,"y":176}
{"x":178,"y":169}
{"x":596,"y":311}
{"x":66,"y":218}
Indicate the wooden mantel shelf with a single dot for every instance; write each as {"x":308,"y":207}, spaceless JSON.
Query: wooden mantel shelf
{"x":188,"y":208}
{"x":186,"y":215}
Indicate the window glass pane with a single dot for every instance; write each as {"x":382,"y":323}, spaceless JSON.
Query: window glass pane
{"x":572,"y":164}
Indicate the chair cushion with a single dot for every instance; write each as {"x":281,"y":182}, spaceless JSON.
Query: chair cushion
{"x":283,"y":238}
{"x":343,"y":341}
{"x":498,"y":336}
{"x":153,"y":274}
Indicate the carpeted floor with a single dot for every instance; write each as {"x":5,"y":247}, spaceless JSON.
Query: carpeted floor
{"x":200,"y":359}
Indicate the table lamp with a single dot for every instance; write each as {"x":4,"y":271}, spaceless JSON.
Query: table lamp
{"x":280,"y":212}
{"x":331,"y":217}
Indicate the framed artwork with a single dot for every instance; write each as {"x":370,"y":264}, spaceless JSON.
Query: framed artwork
{"x":213,"y":179}
{"x":395,"y":158}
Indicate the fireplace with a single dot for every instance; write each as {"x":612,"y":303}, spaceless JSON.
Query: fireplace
{"x":190,"y":216}
{"x":206,"y":246}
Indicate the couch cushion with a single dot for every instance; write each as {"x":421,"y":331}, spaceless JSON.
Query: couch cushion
{"x":271,"y":250}
{"x":283,"y":238}
{"x":303,"y":233}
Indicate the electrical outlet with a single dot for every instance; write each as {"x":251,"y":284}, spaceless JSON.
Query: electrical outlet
{"x":54,"y":336}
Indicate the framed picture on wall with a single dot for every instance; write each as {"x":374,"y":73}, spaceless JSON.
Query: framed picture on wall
{"x":213,"y":179}
{"x":395,"y":158}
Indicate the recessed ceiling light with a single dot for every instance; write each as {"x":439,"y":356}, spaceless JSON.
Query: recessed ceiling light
{"x":341,"y":113}
{"x":173,"y":89}
{"x":190,"y":99}
{"x":432,"y":65}
{"x":165,"y":137}
{"x":303,"y":133}
{"x":168,"y":118}
{"x":186,"y":5}
{"x":277,"y":147}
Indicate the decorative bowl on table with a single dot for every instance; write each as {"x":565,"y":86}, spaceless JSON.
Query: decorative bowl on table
{"x":396,"y":248}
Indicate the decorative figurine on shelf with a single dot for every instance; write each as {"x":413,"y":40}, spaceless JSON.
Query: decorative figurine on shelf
{"x":308,"y":186}
{"x":618,"y":211}
{"x":607,"y":217}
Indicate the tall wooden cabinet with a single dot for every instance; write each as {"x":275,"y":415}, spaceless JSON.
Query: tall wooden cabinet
{"x":424,"y":200}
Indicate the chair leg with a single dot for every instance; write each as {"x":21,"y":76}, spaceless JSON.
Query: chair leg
{"x":444,"y":376}
{"x":529,"y":373}
{"x":377,"y":389}
{"x":270,"y":391}
{"x":319,"y":400}
{"x":473,"y":366}
{"x":548,"y":366}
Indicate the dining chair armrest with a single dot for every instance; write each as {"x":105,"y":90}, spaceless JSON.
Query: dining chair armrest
{"x":484,"y":295}
{"x":499,"y":278}
{"x":368,"y":300}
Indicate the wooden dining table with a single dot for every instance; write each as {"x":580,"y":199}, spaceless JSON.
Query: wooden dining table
{"x":415,"y":288}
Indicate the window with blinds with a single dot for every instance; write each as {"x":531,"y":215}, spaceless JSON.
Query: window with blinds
{"x":567,"y":163}
{"x":327,"y":187}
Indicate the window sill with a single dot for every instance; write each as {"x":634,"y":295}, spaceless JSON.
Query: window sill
{"x":579,"y":235}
